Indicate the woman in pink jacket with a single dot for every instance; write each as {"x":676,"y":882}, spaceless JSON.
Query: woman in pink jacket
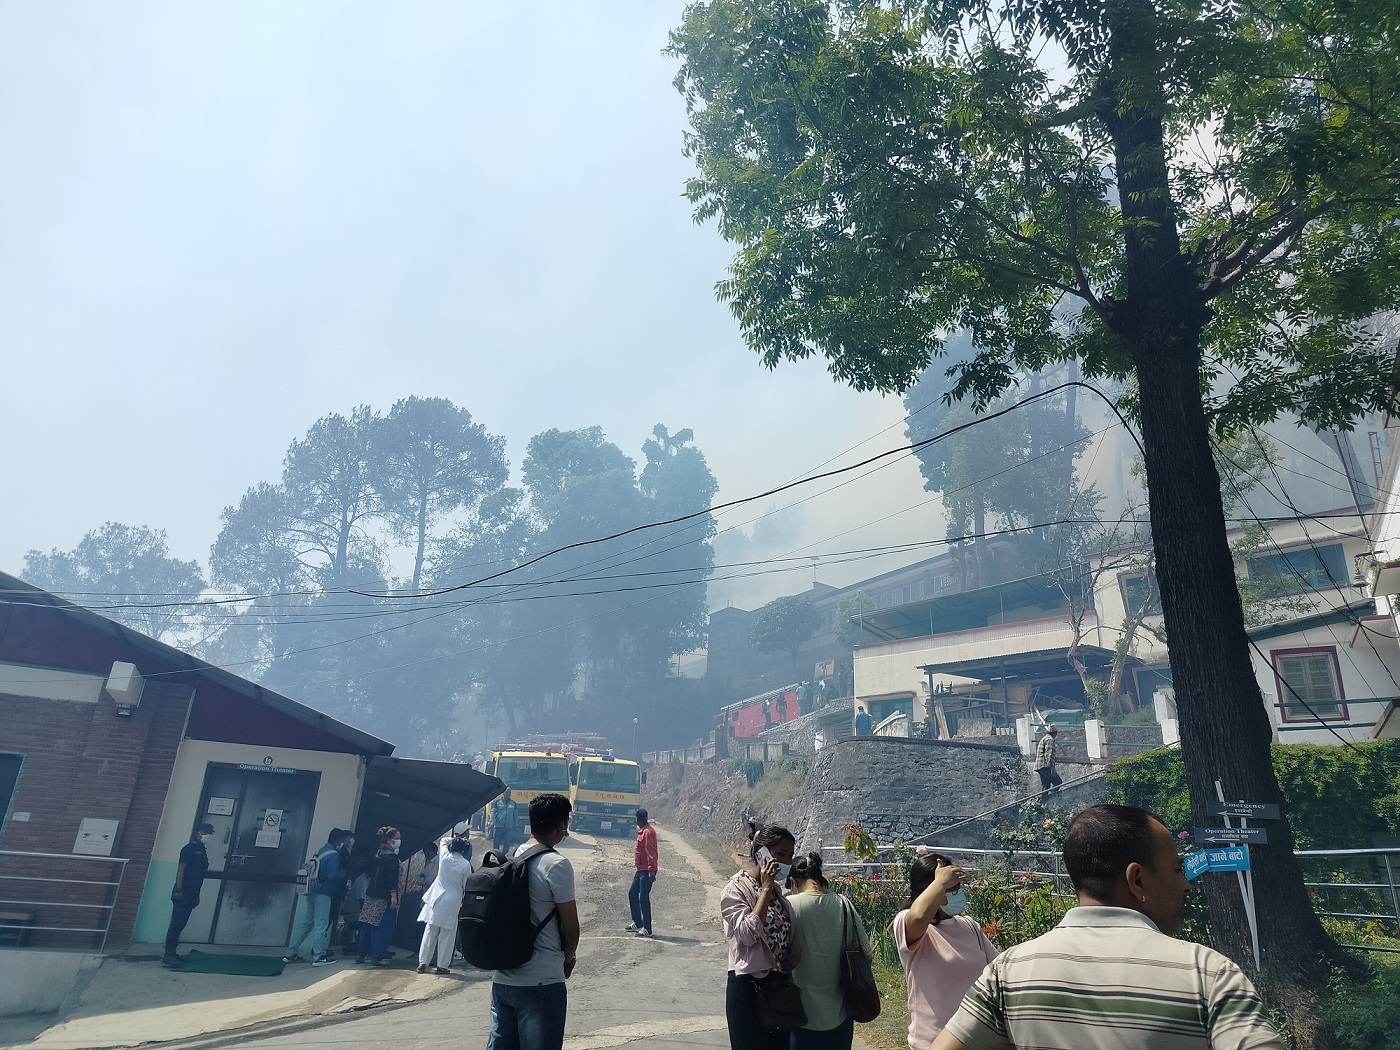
{"x":758,"y":927}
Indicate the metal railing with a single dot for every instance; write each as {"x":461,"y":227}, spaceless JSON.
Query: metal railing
{"x":69,"y":910}
{"x":1378,"y":869}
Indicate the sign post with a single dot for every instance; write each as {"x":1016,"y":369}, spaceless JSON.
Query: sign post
{"x":1235,"y":856}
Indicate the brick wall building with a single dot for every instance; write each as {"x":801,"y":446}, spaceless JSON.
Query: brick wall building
{"x":93,"y":783}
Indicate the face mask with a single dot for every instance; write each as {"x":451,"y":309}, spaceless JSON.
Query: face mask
{"x":395,"y":846}
{"x":203,"y":839}
{"x":783,"y":870}
{"x":957,"y":903}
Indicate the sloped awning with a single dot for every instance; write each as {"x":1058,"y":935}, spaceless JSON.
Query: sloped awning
{"x":1026,"y":667}
{"x":421,"y":798}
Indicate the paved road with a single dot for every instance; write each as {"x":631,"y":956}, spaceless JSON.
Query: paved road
{"x":665,"y":992}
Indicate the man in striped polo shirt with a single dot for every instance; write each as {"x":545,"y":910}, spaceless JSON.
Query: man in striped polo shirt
{"x":1111,"y":976}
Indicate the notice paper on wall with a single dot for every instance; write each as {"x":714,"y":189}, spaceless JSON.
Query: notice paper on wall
{"x":220,"y":807}
{"x":268,"y":838}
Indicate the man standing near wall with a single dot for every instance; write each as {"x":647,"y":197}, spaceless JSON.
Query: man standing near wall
{"x":1045,"y":759}
{"x":644,"y":855}
{"x":862,"y":722}
{"x":184,"y":898}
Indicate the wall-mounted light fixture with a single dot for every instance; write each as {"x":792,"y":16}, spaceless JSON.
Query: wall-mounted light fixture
{"x":125,"y":685}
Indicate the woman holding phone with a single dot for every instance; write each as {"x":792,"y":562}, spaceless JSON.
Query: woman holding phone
{"x":758,"y":927}
{"x":941,"y":949}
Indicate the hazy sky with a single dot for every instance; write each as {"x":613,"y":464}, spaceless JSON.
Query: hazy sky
{"x":222,"y":221}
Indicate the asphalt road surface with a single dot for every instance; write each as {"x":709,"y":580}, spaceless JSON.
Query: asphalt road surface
{"x":661,"y":992}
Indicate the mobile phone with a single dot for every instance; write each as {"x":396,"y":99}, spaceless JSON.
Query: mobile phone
{"x":764,"y":855}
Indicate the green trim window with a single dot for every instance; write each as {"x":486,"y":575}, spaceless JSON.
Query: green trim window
{"x":1302,"y":569}
{"x":1309,"y":685}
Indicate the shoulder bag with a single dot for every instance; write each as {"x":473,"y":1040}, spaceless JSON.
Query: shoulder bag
{"x":779,"y":1003}
{"x":862,"y":995}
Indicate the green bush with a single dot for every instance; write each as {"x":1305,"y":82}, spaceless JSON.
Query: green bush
{"x":1337,"y":797}
{"x":1366,"y":1016}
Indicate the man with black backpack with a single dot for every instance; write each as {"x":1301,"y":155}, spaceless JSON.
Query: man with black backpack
{"x":520,"y":919}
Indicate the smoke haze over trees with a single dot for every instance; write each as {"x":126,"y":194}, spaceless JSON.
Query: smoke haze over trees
{"x":582,"y":640}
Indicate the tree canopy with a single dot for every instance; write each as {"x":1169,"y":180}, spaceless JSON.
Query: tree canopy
{"x":785,"y":625}
{"x":1199,"y":199}
{"x":125,"y":572}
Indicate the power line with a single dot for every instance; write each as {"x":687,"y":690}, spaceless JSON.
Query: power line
{"x":904,"y":449}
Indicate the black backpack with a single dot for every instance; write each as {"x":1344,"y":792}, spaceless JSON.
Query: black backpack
{"x":498,"y":932}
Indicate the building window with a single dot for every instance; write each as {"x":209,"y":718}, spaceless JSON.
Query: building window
{"x":1302,"y":569}
{"x":1309,"y":684}
{"x":9,"y":777}
{"x":1135,"y":589}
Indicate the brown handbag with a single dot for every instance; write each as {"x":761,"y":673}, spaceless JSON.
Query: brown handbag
{"x":862,"y":995}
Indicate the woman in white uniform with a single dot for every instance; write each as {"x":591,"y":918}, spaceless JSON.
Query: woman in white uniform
{"x":443,"y":900}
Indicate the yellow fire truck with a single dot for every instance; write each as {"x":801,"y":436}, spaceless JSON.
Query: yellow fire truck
{"x":527,"y":774}
{"x":606,"y":793}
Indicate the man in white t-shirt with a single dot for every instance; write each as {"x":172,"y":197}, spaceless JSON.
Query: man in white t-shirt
{"x":529,"y":1003}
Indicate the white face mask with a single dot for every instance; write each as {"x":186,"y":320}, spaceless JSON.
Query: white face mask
{"x":783,"y":870}
{"x":395,"y":846}
{"x":957,"y":903}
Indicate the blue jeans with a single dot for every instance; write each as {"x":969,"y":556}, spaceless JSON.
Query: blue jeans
{"x":374,"y":940}
{"x":639,"y":899}
{"x":314,"y":921}
{"x":527,"y":1018}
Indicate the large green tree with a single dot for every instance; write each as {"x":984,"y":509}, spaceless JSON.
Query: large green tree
{"x":429,"y":459}
{"x":785,"y":625}
{"x":125,"y":572}
{"x":1197,"y":196}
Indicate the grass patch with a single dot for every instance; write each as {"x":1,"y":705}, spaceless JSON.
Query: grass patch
{"x":889,"y":1031}
{"x":781,"y":782}
{"x":720,"y":856}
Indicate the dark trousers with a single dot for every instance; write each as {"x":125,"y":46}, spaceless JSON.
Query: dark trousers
{"x":1049,"y":778}
{"x":179,"y":915}
{"x":374,"y":940}
{"x":838,"y":1038}
{"x":741,"y":1011}
{"x":639,"y":899}
{"x":528,"y":1018}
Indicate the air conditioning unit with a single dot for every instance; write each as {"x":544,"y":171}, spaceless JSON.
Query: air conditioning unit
{"x":124,"y":685}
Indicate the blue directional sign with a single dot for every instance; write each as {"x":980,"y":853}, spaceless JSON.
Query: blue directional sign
{"x":1197,"y":863}
{"x":1232,"y":858}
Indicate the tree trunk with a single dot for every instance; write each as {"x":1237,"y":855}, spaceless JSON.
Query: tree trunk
{"x":422,"y":539}
{"x":1225,"y":732}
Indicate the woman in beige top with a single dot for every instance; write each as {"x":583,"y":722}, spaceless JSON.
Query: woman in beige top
{"x":825,"y":922}
{"x":941,"y":949}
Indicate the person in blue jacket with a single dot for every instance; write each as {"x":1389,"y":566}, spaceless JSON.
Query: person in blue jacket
{"x":189,"y":880}
{"x":314,"y":919}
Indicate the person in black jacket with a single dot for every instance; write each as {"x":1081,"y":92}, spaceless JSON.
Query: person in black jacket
{"x":379,"y":912}
{"x":184,"y":898}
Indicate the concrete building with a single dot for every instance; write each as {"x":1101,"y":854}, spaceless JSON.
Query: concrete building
{"x":995,"y":653}
{"x":731,"y":658}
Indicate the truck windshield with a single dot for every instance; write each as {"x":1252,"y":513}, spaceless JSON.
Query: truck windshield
{"x":608,"y":776}
{"x":535,"y":774}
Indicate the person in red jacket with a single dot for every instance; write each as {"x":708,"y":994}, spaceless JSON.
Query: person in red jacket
{"x":639,"y":896}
